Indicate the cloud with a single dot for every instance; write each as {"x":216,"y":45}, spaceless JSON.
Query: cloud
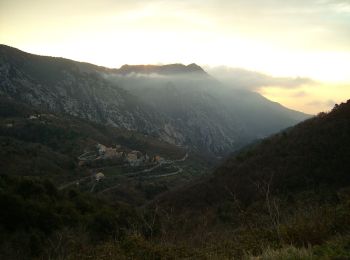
{"x":322,"y":103}
{"x":252,"y":80}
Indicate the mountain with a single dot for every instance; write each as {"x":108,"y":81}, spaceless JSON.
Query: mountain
{"x":206,"y":114}
{"x":179,"y":104}
{"x":66,"y":86}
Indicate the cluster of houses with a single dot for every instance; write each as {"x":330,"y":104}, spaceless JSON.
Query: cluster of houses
{"x":134,"y":158}
{"x":99,"y":176}
{"x":33,"y":117}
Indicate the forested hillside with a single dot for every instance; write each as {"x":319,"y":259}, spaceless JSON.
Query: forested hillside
{"x":292,"y":188}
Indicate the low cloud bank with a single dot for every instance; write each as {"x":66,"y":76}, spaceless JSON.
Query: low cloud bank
{"x":252,"y":80}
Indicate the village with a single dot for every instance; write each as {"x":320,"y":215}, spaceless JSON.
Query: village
{"x":133,"y":158}
{"x":118,"y":155}
{"x":105,"y":162}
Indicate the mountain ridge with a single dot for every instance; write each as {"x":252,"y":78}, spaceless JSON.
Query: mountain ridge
{"x":168,"y":69}
{"x":204,"y":116}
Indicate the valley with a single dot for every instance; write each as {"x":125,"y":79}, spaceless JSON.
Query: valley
{"x":135,"y":168}
{"x":115,"y":171}
{"x":163,"y":162}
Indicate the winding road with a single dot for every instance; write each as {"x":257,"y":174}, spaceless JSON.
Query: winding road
{"x":129,"y":174}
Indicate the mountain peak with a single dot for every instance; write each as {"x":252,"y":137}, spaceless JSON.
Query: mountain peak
{"x":168,"y":69}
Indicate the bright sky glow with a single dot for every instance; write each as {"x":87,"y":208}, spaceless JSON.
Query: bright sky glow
{"x":281,"y":38}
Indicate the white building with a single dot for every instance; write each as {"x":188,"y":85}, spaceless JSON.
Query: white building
{"x":99,"y":176}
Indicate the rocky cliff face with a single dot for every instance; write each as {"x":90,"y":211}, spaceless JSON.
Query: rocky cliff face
{"x":66,"y":86}
{"x":179,"y":104}
{"x":202,"y":112}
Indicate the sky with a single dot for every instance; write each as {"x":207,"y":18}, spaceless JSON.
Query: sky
{"x":289,"y":39}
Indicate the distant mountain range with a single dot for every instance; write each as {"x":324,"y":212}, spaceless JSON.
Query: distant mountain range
{"x":180,"y":104}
